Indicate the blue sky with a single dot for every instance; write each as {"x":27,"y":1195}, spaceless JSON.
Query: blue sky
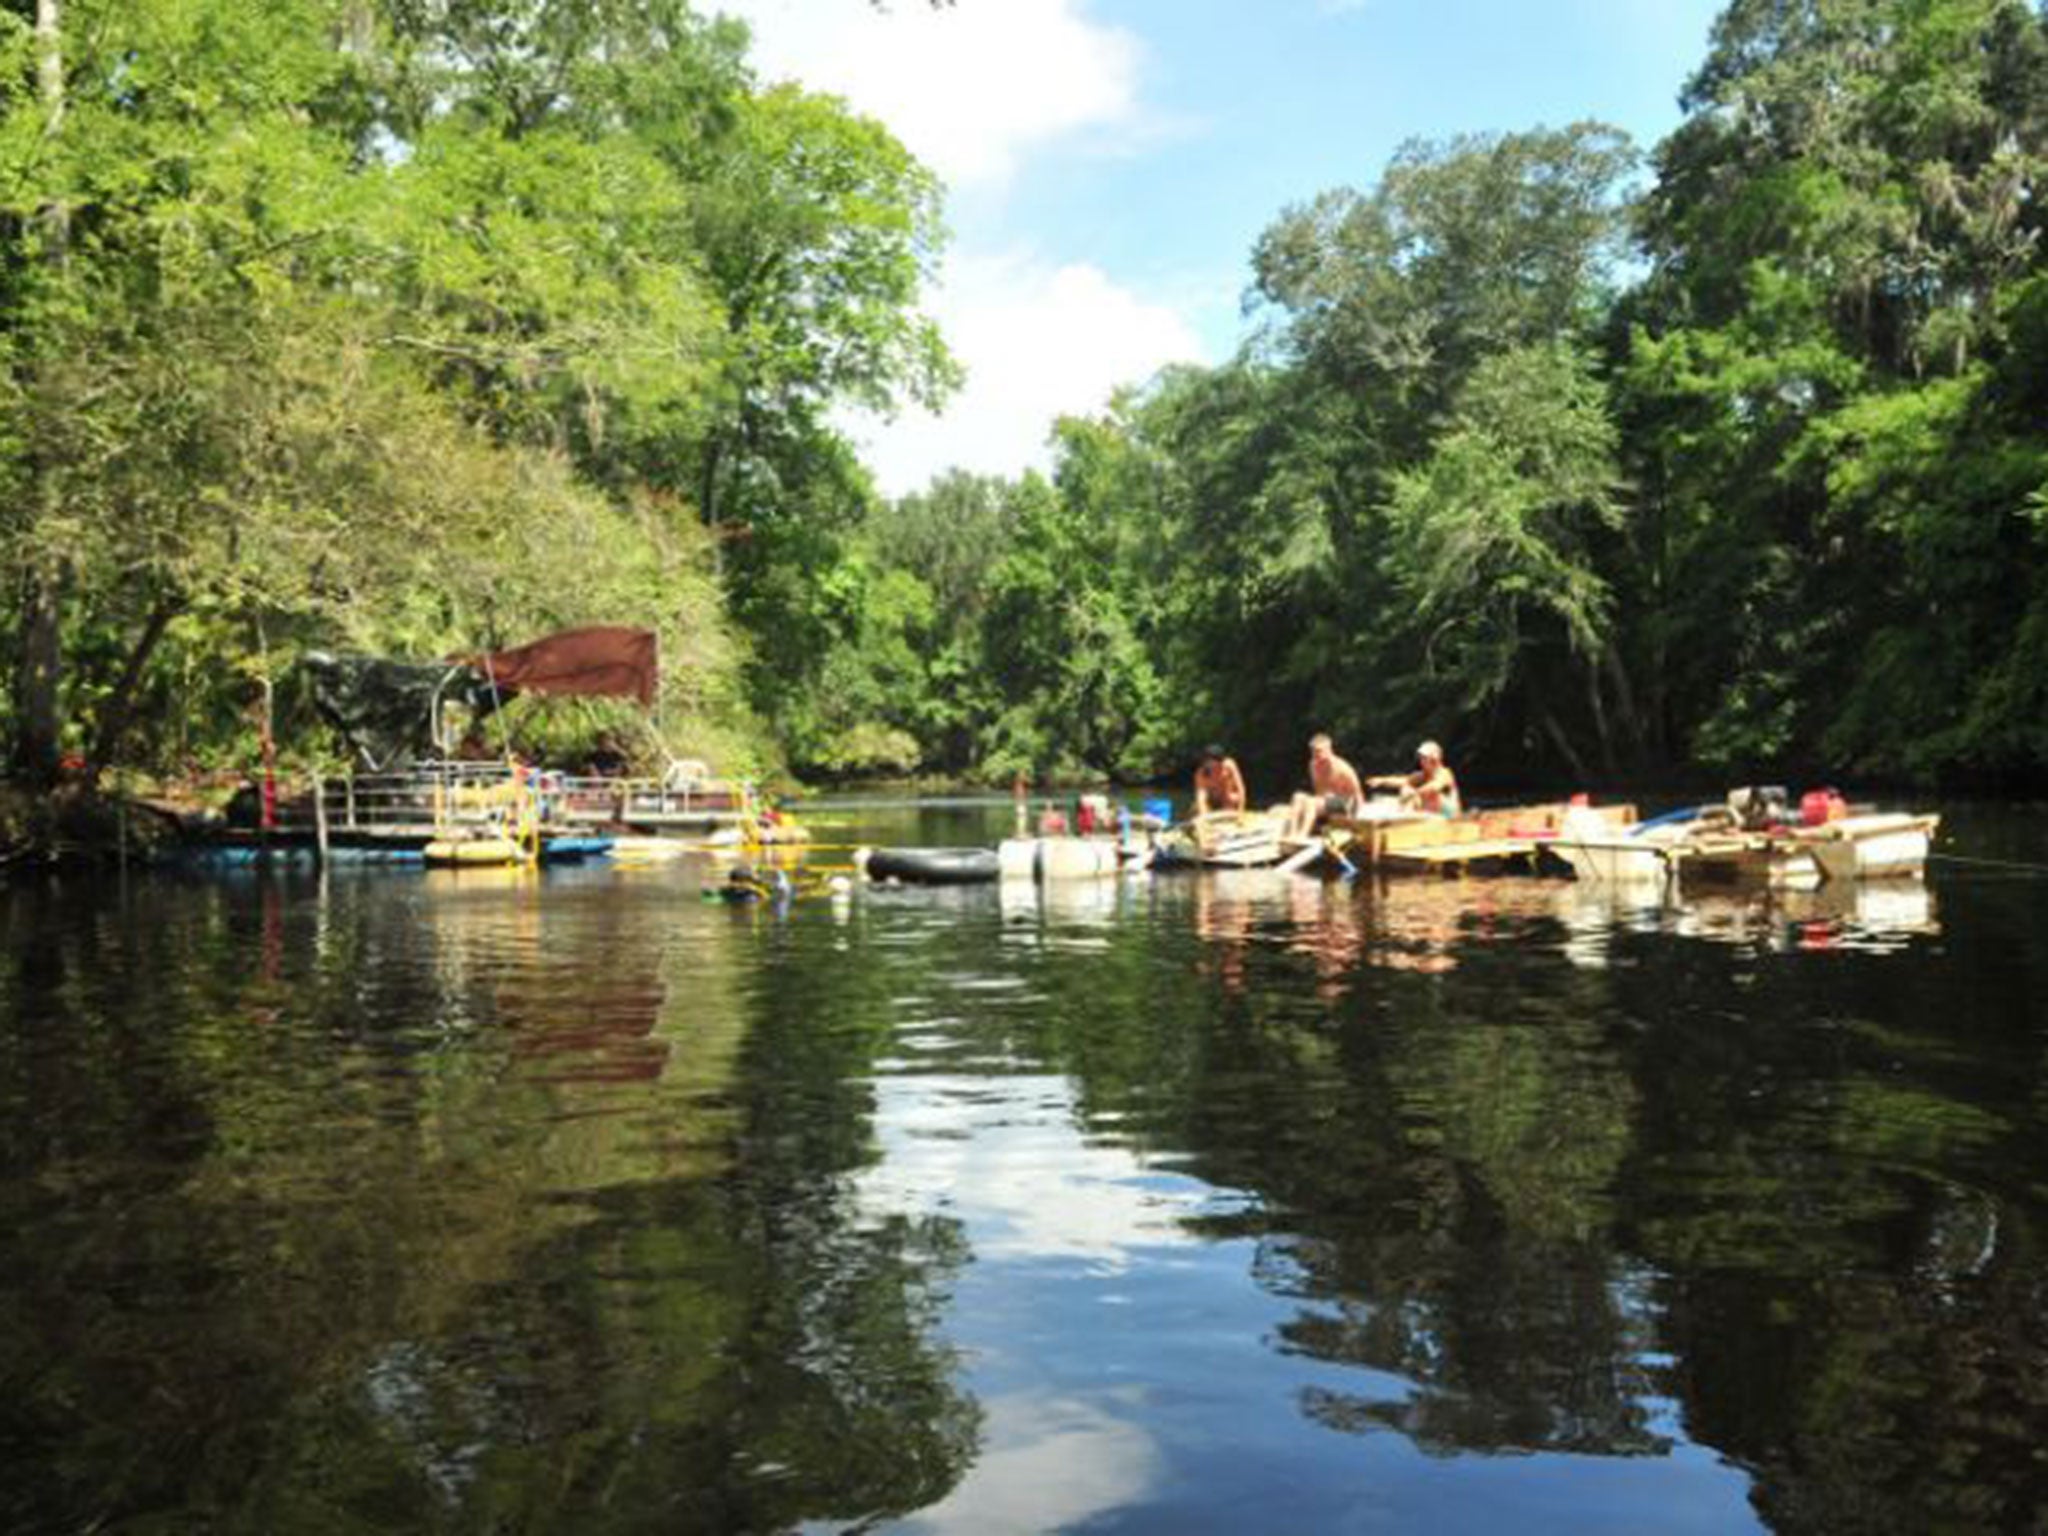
{"x":1110,"y":163}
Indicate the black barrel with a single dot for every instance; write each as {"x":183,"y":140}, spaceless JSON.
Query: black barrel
{"x":935,"y":866}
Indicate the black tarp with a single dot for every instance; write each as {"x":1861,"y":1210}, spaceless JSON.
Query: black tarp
{"x":385,"y":709}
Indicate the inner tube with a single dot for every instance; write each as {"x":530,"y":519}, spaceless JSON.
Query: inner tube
{"x":935,"y":866}
{"x":573,"y":850}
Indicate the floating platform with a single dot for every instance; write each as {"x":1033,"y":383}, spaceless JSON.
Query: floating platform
{"x":1476,"y":850}
{"x":1416,"y":842}
{"x":1860,"y":847}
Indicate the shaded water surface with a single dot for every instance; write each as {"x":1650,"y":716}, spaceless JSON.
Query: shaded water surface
{"x":486,"y":1202}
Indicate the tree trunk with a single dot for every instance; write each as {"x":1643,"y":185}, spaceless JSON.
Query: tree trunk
{"x":120,"y":706}
{"x":55,"y":217}
{"x":1625,"y":702}
{"x":38,"y":665}
{"x":1598,"y":706}
{"x":38,"y":668}
{"x":1563,"y":744}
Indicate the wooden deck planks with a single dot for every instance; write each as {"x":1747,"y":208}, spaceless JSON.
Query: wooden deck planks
{"x":1469,"y":851}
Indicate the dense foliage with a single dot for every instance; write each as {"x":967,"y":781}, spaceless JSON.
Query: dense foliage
{"x":418,"y":324}
{"x":1730,"y":462}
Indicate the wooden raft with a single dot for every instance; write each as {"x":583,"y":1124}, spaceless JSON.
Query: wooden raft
{"x":1422,"y":842}
{"x":1469,"y":851}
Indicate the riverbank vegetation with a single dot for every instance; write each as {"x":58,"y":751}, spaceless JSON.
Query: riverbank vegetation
{"x":417,"y":326}
{"x":1726,"y":460}
{"x":417,"y":329}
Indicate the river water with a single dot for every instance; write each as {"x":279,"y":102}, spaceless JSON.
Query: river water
{"x":575,"y":1202}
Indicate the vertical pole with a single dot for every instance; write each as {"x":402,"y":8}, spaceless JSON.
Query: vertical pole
{"x":320,"y":821}
{"x":269,"y":765}
{"x":50,"y":61}
{"x":268,"y":725}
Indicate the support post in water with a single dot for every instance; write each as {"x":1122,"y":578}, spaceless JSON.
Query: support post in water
{"x":320,"y":821}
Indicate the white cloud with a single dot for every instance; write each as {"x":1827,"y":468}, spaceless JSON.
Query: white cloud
{"x":1038,"y":340}
{"x":1006,"y":1157}
{"x":970,"y":89}
{"x":1047,"y":1462}
{"x":975,"y":90}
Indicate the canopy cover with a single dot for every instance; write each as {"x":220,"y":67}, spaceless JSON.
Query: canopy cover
{"x":385,"y":710}
{"x":602,"y":661}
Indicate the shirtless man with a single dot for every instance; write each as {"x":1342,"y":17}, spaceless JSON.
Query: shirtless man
{"x":1334,"y":789}
{"x":1219,"y":786}
{"x":1432,"y":787}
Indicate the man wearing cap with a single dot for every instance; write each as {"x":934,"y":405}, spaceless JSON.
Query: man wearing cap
{"x":1219,"y":786}
{"x":1432,"y":787}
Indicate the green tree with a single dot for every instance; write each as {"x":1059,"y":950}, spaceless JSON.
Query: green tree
{"x":264,"y":301}
{"x":1058,"y":641}
{"x":1497,"y":545}
{"x":1822,"y":391}
{"x":1462,"y":250}
{"x":150,"y":163}
{"x":942,"y":546}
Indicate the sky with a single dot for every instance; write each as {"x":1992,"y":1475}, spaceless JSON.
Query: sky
{"x":1109,"y":164}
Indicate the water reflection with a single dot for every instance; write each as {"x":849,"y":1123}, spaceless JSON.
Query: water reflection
{"x":1005,"y":1157}
{"x":1478,"y":1296}
{"x":1224,"y":1202}
{"x":1050,"y":1462}
{"x":429,"y":1212}
{"x":1871,"y":917}
{"x":1431,"y":925}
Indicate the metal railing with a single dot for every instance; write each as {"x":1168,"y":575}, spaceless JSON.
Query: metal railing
{"x":440,"y":794}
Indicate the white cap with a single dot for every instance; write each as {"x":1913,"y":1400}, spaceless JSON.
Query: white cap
{"x":1430,"y":749}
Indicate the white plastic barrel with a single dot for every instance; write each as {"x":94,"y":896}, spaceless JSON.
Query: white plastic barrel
{"x":1073,"y":858}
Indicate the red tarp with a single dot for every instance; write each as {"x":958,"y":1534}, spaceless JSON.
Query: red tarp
{"x":605,"y":660}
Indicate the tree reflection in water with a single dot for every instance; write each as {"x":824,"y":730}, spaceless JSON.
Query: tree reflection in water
{"x":1581,"y":1159}
{"x":469,"y":1205}
{"x":457,"y":1207}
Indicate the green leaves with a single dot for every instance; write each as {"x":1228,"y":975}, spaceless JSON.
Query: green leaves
{"x":549,"y":278}
{"x":1502,"y":522}
{"x":1463,"y":249}
{"x":547,"y":247}
{"x":1884,"y":151}
{"x":403,"y":322}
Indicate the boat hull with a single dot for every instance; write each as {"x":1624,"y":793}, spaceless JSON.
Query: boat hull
{"x":1881,"y":846}
{"x":1068,"y":858}
{"x":632,"y":849}
{"x":1615,"y":861}
{"x":1778,"y":863}
{"x":1415,"y":841}
{"x":935,"y":866}
{"x":1233,"y":840}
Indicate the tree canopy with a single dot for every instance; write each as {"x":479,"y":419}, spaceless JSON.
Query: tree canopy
{"x":422,"y":323}
{"x":1722,"y":460}
{"x":324,"y":321}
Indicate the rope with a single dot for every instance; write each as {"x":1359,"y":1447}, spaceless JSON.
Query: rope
{"x":2012,"y":864}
